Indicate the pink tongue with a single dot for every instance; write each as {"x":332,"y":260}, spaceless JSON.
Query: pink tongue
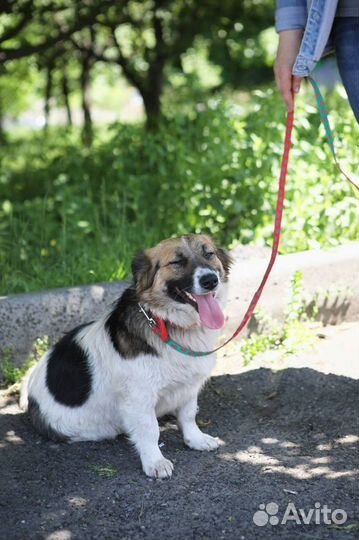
{"x":210,"y":311}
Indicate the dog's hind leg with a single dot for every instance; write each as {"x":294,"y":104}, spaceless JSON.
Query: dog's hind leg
{"x":41,"y":424}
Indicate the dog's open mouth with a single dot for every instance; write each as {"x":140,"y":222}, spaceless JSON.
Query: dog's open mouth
{"x":207,"y":305}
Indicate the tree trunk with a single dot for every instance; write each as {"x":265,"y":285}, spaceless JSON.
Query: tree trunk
{"x":48,"y":94}
{"x":152,"y":104}
{"x":154,"y":88}
{"x":87,"y":130}
{"x":2,"y":130}
{"x":66,"y":96}
{"x":152,"y":94}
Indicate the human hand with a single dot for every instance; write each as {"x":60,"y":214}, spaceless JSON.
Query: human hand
{"x":288,"y":48}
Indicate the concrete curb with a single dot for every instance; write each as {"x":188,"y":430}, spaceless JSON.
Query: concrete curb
{"x":25,"y":317}
{"x":335,"y":270}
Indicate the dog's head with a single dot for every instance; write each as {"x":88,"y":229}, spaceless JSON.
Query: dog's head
{"x":183,"y":280}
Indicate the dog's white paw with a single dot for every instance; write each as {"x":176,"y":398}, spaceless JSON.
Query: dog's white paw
{"x":162,"y":468}
{"x":202,"y":442}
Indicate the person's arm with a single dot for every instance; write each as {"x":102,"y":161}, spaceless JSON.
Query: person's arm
{"x":290,"y":23}
{"x":288,"y":48}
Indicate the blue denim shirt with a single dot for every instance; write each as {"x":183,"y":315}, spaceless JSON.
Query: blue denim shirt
{"x":316,"y":18}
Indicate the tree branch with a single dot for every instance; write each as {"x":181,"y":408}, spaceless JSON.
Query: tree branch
{"x":121,"y":60}
{"x":27,"y":11}
{"x":62,"y":35}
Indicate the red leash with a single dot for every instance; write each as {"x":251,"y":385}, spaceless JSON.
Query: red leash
{"x":159,"y":326}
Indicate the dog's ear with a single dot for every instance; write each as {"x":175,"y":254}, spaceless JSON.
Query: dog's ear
{"x":225,"y":259}
{"x":143,"y":271}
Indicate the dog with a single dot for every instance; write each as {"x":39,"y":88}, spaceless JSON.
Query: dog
{"x":115,"y":375}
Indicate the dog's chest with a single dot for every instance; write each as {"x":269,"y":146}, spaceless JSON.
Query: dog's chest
{"x":178,"y":378}
{"x":186,"y":368}
{"x":164,"y":381}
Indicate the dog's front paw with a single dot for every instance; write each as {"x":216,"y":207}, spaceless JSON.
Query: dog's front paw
{"x":162,"y":468}
{"x":202,"y":442}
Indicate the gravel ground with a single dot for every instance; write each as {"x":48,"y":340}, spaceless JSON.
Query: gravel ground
{"x":289,"y":435}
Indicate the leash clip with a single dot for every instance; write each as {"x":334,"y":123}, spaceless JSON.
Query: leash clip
{"x":150,"y":320}
{"x":158,"y":327}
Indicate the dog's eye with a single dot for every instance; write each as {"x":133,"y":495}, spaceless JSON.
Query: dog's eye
{"x":209,"y":254}
{"x":177,"y":262}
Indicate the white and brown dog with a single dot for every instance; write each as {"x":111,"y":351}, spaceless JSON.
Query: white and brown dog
{"x":116,"y":376}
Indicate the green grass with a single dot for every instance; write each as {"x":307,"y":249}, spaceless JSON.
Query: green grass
{"x":12,"y":374}
{"x":106,"y":471}
{"x":71,"y":216}
{"x":293,"y":335}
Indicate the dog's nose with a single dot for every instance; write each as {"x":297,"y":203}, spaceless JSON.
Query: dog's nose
{"x":208,"y":281}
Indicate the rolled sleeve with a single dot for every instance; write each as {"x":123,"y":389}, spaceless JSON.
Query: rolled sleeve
{"x":290,"y":15}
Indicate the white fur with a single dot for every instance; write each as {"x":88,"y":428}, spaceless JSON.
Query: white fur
{"x":199,"y":272}
{"x":128,"y":395}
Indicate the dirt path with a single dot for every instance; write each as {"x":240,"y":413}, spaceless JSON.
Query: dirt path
{"x":289,"y":429}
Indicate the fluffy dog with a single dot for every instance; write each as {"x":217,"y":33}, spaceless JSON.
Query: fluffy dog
{"x":116,"y":376}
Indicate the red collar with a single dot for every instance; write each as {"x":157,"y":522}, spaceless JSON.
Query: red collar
{"x":157,"y":325}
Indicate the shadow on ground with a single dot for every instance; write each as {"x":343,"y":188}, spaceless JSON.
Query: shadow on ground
{"x":289,"y":437}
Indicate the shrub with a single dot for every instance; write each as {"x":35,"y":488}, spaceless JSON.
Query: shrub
{"x":72,"y":216}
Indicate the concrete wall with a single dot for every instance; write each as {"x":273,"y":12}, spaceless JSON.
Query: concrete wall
{"x":25,"y":317}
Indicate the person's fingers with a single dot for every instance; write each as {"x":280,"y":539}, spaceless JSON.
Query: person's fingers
{"x":288,"y":98}
{"x":283,"y":77}
{"x":296,"y":84}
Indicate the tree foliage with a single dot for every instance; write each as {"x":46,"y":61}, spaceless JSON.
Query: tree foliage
{"x":145,"y":39}
{"x":70,"y":216}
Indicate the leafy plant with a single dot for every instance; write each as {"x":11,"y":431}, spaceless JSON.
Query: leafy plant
{"x":291,"y":336}
{"x":13,"y":374}
{"x":70,"y":216}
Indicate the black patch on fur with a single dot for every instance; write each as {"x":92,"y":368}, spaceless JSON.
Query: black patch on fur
{"x":41,"y":425}
{"x":125,"y":326}
{"x":183,"y":284}
{"x":180,"y":259}
{"x":68,"y":376}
